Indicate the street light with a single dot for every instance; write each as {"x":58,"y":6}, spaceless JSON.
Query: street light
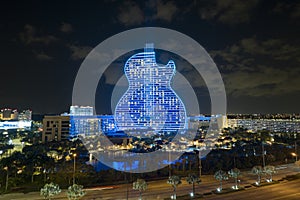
{"x":295,"y":155}
{"x":74,"y":168}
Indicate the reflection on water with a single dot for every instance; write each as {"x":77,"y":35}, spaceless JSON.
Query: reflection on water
{"x":132,"y":162}
{"x":121,"y":166}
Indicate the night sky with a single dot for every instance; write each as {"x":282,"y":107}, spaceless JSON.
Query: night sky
{"x":255,"y":44}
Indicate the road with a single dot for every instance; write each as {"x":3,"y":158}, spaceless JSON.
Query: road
{"x":288,"y":190}
{"x":160,"y":189}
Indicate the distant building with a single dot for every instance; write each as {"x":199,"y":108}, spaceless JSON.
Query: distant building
{"x":196,"y":122}
{"x":80,"y":121}
{"x":273,"y":125}
{"x":119,"y":138}
{"x":8,"y":114}
{"x":25,"y":115}
{"x":221,"y":120}
{"x":84,"y":125}
{"x":216,"y":122}
{"x":19,"y":125}
{"x":55,"y":128}
{"x":81,"y":111}
{"x":11,"y":119}
{"x":83,"y":121}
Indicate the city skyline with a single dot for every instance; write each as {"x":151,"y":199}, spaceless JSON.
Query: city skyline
{"x":255,"y":45}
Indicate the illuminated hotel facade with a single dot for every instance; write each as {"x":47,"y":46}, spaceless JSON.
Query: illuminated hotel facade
{"x":12,"y":119}
{"x":273,"y":125}
{"x":83,"y":121}
{"x":149,"y":103}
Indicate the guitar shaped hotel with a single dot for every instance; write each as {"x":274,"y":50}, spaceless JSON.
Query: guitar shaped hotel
{"x":150,"y":103}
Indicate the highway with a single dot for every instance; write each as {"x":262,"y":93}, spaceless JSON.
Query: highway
{"x":288,"y":190}
{"x":160,"y":189}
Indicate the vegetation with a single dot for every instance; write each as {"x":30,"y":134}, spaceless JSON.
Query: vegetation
{"x":270,"y":170}
{"x":220,"y":176}
{"x":258,"y":171}
{"x":140,"y":185}
{"x":192,"y":179}
{"x":234,"y":173}
{"x":39,"y":164}
{"x":174,"y":181}
{"x":75,"y":192}
{"x":50,"y":190}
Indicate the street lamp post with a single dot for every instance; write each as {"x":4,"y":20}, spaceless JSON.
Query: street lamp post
{"x":126,"y":180}
{"x":74,"y":168}
{"x":294,"y":155}
{"x":170,"y":167}
{"x":200,"y":164}
{"x":127,"y":189}
{"x":263,"y":153}
{"x":263,"y":150}
{"x":296,"y":151}
{"x":6,"y":182}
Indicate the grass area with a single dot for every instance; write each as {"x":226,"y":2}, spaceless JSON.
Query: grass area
{"x":266,"y":183}
{"x":228,"y":190}
{"x":24,"y":188}
{"x":207,"y":193}
{"x":292,"y":177}
{"x":187,"y":197}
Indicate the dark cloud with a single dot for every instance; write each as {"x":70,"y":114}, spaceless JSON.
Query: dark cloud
{"x":79,"y":52}
{"x":277,"y":49}
{"x":292,"y":9}
{"x":42,"y":56}
{"x":260,"y":68}
{"x":66,"y":28}
{"x":296,"y":11}
{"x":130,"y":14}
{"x":165,"y":11}
{"x":227,"y":11}
{"x":30,"y":35}
{"x":254,"y":43}
{"x":266,"y":81}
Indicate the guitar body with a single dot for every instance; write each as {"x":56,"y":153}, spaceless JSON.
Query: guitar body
{"x":149,"y":103}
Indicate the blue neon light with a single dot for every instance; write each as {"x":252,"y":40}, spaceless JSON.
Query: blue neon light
{"x":149,"y":102}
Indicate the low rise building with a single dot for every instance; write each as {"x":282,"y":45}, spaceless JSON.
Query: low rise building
{"x":56,"y":128}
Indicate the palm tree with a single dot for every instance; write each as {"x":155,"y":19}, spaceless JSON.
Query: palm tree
{"x":174,"y":181}
{"x":140,"y":185}
{"x":192,"y":179}
{"x":270,"y":170}
{"x":75,"y":192}
{"x":257,"y":170}
{"x":220,"y":176}
{"x":264,"y":137}
{"x":235,"y":172}
{"x":50,"y":190}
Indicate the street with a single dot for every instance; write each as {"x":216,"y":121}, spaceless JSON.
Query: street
{"x":160,"y":189}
